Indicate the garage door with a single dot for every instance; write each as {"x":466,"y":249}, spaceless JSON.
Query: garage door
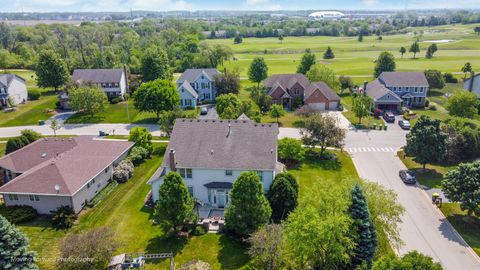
{"x":318,"y":106}
{"x":333,"y":105}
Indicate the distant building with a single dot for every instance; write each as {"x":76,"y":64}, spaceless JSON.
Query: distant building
{"x":53,"y":172}
{"x":472,"y":84}
{"x":113,"y":81}
{"x":327,"y":15}
{"x":12,"y":87}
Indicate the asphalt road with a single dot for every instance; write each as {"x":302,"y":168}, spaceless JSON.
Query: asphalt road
{"x":424,"y":228}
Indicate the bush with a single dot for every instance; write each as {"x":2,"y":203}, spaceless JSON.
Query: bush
{"x":116,"y":100}
{"x":198,"y":230}
{"x":427,"y":102}
{"x":16,"y":143}
{"x":33,"y":95}
{"x":123,"y":171}
{"x":18,"y":213}
{"x":63,"y":217}
{"x":449,"y":78}
{"x":138,"y":154}
{"x":290,"y":150}
{"x":432,"y":108}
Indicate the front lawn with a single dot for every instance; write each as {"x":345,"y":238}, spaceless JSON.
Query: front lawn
{"x":468,"y":228}
{"x":122,"y":210}
{"x":30,"y":112}
{"x":433,"y":175}
{"x":2,"y":148}
{"x":290,"y":119}
{"x":346,"y":100}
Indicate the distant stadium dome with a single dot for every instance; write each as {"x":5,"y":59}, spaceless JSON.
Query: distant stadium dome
{"x":327,"y":15}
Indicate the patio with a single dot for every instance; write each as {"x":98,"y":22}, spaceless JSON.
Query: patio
{"x":212,"y":218}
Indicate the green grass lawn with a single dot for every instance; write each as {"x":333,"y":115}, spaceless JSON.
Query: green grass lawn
{"x":125,"y":137}
{"x":347,"y":100}
{"x":433,"y":175}
{"x":467,"y":228}
{"x":2,"y":148}
{"x":30,"y":112}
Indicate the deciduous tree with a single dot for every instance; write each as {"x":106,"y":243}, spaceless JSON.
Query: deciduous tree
{"x":414,"y":48}
{"x":384,"y":62}
{"x":462,"y":104}
{"x":466,"y":68}
{"x":402,"y":51}
{"x":51,"y":70}
{"x":266,"y":247}
{"x":435,"y":79}
{"x":290,"y":150}
{"x":174,"y":207}
{"x":228,"y":82}
{"x":248,"y":209}
{"x":155,"y":65}
{"x":156,"y":97}
{"x":320,"y":72}
{"x":258,"y":70}
{"x":141,"y":137}
{"x":426,"y":141}
{"x":283,"y":198}
{"x":88,"y":100}
{"x":276,"y":111}
{"x":54,"y":125}
{"x":308,"y":60}
{"x":362,"y":106}
{"x":324,"y":131}
{"x":462,"y":185}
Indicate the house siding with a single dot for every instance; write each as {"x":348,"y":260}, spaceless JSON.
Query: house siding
{"x":186,"y":98}
{"x":476,"y":85}
{"x":17,"y":90}
{"x":45,"y":204}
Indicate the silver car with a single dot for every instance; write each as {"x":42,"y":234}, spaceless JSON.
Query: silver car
{"x":404,"y":124}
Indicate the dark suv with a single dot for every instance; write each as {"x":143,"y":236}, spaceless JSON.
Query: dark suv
{"x":407,"y":177}
{"x":389,"y":117}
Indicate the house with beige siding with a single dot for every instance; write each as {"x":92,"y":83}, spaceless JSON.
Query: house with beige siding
{"x":53,"y":172}
{"x":220,"y":150}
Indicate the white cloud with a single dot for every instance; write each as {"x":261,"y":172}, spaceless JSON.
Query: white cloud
{"x":369,"y":2}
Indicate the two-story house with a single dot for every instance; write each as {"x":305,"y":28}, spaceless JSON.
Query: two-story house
{"x":201,"y":81}
{"x":391,"y":90}
{"x":286,"y":89}
{"x":53,"y":172}
{"x":113,"y":82}
{"x":12,"y":89}
{"x":211,"y":154}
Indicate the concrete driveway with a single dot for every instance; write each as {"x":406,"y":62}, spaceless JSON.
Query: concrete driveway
{"x":211,"y":114}
{"x":423,"y":227}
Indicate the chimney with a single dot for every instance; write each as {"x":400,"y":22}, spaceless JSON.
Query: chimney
{"x":365,"y":87}
{"x":472,"y":77}
{"x":171,"y":157}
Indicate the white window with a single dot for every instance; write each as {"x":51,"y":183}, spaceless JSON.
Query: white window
{"x":13,"y":197}
{"x":185,"y":172}
{"x":34,"y":198}
{"x":228,"y":172}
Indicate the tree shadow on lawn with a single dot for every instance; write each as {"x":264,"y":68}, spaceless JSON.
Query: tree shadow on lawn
{"x":233,"y":252}
{"x":428,"y":177}
{"x":167,"y":244}
{"x":468,"y":229}
{"x":314,"y":160}
{"x":42,"y":221}
{"x":81,"y":118}
{"x":148,"y":120}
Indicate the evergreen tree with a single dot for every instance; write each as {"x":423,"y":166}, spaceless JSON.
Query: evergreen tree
{"x":51,"y":70}
{"x":308,"y":60}
{"x":328,"y":53}
{"x":175,"y":206}
{"x":248,"y":209}
{"x":258,"y":70}
{"x":283,"y":198}
{"x":384,"y":62}
{"x":366,"y":238}
{"x":14,"y":249}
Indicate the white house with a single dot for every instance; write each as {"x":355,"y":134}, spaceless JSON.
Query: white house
{"x":12,"y":87}
{"x":53,"y":172}
{"x":211,"y":154}
{"x":188,"y":96}
{"x":472,"y":84}
{"x":113,"y":81}
{"x":202,"y":81}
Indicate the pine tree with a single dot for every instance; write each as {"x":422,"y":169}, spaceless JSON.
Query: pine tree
{"x":14,"y":251}
{"x":366,"y":241}
{"x":283,"y":198}
{"x":328,"y":53}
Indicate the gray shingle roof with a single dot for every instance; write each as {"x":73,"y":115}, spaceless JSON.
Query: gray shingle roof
{"x":190,"y":89}
{"x":287,"y":81}
{"x":376,"y":90}
{"x":404,"y":79}
{"x":6,"y":79}
{"x":97,"y":75}
{"x":191,"y":75}
{"x":71,"y":169}
{"x":209,"y":144}
{"x":324,"y":89}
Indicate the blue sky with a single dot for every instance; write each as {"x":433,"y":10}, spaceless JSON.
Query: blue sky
{"x":163,"y":5}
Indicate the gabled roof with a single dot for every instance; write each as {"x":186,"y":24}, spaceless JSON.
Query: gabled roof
{"x":287,"y":81}
{"x":82,"y":159}
{"x":404,"y":79}
{"x":324,"y":89}
{"x":377,"y":90}
{"x":189,"y":88}
{"x":191,"y":75}
{"x":243,"y":117}
{"x":223,"y":144}
{"x":6,"y":79}
{"x":97,"y":75}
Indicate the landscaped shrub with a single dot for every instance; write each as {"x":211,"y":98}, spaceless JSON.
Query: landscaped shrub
{"x":138,"y":154}
{"x":16,"y":143}
{"x":116,"y":100}
{"x":427,"y":103}
{"x":198,"y":230}
{"x":123,"y":171}
{"x":449,"y":78}
{"x":33,"y":95}
{"x":63,"y":217}
{"x":18,"y":213}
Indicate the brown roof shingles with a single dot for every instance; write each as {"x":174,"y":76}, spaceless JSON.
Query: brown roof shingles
{"x":205,"y":144}
{"x":71,"y":170}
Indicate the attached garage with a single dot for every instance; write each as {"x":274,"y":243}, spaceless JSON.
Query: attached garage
{"x":318,"y":106}
{"x":320,"y":97}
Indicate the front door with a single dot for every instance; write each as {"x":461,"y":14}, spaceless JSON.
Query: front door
{"x":220,"y":197}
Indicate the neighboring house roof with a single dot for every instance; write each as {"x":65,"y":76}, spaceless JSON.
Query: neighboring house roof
{"x":287,"y":81}
{"x":97,"y":75}
{"x":79,"y":160}
{"x":6,"y":79}
{"x":377,"y":90}
{"x":189,"y":88}
{"x":191,"y":75}
{"x":243,"y":117}
{"x":327,"y":92}
{"x":404,"y":79}
{"x":223,"y":144}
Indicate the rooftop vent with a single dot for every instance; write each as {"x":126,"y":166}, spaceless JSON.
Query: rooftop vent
{"x":43,"y":155}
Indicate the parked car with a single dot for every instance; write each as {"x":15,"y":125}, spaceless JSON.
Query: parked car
{"x":407,"y":177}
{"x":389,"y":117}
{"x":204,"y":111}
{"x":404,"y":124}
